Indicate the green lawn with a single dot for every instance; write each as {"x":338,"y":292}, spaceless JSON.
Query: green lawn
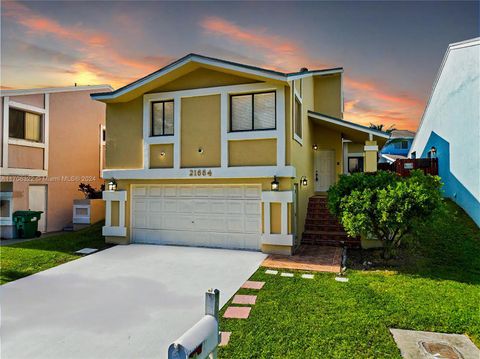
{"x":23,"y":259}
{"x":435,"y":287}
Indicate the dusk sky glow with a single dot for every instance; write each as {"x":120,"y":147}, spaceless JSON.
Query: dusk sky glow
{"x":390,"y":51}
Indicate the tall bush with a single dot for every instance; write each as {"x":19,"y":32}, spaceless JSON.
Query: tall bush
{"x":384,"y":205}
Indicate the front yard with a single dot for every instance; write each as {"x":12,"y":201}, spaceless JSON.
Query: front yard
{"x":434,"y":287}
{"x":26,"y":258}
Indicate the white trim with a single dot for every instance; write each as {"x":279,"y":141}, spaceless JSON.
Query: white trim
{"x":23,"y":172}
{"x":53,"y":90}
{"x":225,"y":136}
{"x":25,"y":107}
{"x":296,"y":96}
{"x":81,"y":219}
{"x":25,"y":143}
{"x":347,"y":124}
{"x":114,"y":231}
{"x":109,"y":197}
{"x":5,"y":132}
{"x":7,"y":221}
{"x":277,"y":196}
{"x":266,"y":218}
{"x":370,"y":148}
{"x":184,"y":173}
{"x":278,"y":239}
{"x":342,"y":98}
{"x":294,"y":77}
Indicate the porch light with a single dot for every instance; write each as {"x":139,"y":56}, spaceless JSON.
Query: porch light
{"x":304,"y":181}
{"x":433,"y":151}
{"x":275,"y":185}
{"x":112,"y":185}
{"x":315,"y":147}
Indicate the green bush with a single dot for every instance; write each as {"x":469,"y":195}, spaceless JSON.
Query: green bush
{"x":383,"y":205}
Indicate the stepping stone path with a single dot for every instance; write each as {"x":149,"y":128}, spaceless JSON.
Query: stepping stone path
{"x":269,"y":271}
{"x":249,"y":284}
{"x":290,"y":275}
{"x":237,"y":312}
{"x":244,"y":299}
{"x":341,"y":279}
{"x":224,"y":338}
{"x":87,"y":251}
{"x":307,"y":276}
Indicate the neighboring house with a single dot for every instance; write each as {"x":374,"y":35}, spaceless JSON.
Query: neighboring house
{"x":197,"y":147}
{"x":51,"y":142}
{"x":397,"y":146}
{"x":450,"y":127}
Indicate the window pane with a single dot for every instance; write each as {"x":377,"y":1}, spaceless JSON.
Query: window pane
{"x":16,"y":123}
{"x":241,"y":113}
{"x":298,"y":118}
{"x":168,"y":118}
{"x":157,"y":119}
{"x":404,"y":145}
{"x":264,"y":116}
{"x":32,"y":127}
{"x":5,"y":208}
{"x":355,"y":164}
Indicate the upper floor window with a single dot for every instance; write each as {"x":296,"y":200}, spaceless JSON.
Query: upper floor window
{"x":297,"y":118}
{"x":253,"y":112}
{"x":25,"y":125}
{"x":162,"y":118}
{"x":401,"y":145}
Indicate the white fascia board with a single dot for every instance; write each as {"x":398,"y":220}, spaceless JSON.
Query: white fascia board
{"x":186,"y":173}
{"x":314,"y":73}
{"x":44,"y":90}
{"x":196,"y":59}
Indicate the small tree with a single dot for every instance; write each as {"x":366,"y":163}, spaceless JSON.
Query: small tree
{"x":384,"y":205}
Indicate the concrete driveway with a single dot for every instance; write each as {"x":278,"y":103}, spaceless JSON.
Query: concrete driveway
{"x":124,"y":302}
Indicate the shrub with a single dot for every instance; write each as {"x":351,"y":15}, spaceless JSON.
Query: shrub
{"x":90,"y":192}
{"x":384,"y":205}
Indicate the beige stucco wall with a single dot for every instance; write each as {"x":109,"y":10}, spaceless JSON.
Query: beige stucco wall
{"x":125,"y":134}
{"x":252,"y":153}
{"x":201,"y":78}
{"x":200,"y":129}
{"x":25,"y":157}
{"x":74,"y":155}
{"x":328,"y":97}
{"x":156,"y":158}
{"x":37,"y":100}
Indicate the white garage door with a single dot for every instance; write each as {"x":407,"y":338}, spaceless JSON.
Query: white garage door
{"x":222,"y":216}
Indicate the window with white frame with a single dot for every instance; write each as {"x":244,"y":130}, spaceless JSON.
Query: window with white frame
{"x":253,"y":112}
{"x":25,"y":125}
{"x":297,"y":118}
{"x":162,"y":118}
{"x":6,"y":208}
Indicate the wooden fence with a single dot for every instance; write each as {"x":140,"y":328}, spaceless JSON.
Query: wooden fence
{"x":404,"y":166}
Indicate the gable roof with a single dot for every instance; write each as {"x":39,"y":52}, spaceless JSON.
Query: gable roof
{"x":219,"y":63}
{"x":347,"y":124}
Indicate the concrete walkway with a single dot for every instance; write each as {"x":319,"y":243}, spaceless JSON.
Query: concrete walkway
{"x":124,"y":302}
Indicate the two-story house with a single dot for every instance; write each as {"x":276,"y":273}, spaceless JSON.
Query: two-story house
{"x":397,"y":146}
{"x":207,"y":152}
{"x":51,"y":141}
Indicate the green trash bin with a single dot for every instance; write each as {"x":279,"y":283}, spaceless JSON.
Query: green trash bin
{"x":26,"y":223}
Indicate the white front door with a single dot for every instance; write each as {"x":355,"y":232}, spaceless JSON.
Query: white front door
{"x":222,"y":216}
{"x":324,"y":170}
{"x":37,"y":201}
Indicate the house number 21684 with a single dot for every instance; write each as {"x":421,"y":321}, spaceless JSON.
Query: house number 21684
{"x":200,"y":173}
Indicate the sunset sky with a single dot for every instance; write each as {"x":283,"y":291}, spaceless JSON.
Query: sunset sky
{"x":390,"y":51}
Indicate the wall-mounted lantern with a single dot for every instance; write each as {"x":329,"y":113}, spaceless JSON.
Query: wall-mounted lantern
{"x":433,"y":152}
{"x":315,"y":147}
{"x":304,"y":181}
{"x":112,"y":185}
{"x":275,"y":185}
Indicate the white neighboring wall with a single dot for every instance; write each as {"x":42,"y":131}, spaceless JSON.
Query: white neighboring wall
{"x":453,"y":113}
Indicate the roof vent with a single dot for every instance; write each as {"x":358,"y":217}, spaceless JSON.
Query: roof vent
{"x":303,"y":69}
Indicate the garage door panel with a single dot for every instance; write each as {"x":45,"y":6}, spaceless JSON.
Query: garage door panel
{"x":155,"y":205}
{"x":223,"y":216}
